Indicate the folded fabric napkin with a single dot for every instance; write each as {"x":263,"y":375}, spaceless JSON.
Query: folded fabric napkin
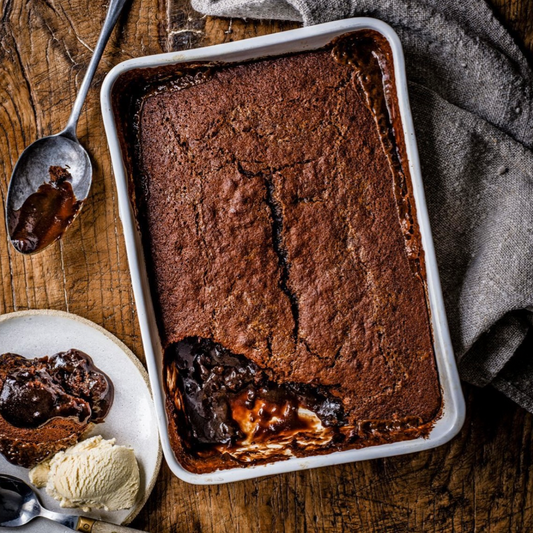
{"x":471,"y":93}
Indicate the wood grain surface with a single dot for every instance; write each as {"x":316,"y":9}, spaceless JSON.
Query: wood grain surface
{"x":481,"y":481}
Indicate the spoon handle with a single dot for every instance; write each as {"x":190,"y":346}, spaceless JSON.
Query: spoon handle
{"x":113,"y":12}
{"x":96,"y":526}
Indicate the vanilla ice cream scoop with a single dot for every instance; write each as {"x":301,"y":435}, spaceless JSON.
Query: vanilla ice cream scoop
{"x":93,"y":474}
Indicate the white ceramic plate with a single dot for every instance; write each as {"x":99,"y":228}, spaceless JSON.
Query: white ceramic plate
{"x":131,"y":420}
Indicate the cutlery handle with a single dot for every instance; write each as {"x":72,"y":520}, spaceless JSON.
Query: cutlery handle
{"x":113,"y":12}
{"x":96,"y":526}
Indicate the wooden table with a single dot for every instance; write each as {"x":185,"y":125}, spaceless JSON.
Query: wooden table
{"x":482,"y":481}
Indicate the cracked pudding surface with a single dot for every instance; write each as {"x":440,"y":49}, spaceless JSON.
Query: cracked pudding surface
{"x":278,"y":228}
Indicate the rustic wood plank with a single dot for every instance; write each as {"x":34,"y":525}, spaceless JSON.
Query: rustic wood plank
{"x":186,"y":27}
{"x":517,"y":16}
{"x":482,"y":481}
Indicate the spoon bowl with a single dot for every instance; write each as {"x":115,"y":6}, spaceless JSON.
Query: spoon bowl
{"x":33,"y":166}
{"x":18,"y":502}
{"x":39,"y":211}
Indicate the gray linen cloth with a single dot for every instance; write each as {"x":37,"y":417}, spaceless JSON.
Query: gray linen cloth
{"x":471,"y":93}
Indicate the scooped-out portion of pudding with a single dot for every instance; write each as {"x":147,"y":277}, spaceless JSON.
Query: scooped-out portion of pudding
{"x":47,"y":404}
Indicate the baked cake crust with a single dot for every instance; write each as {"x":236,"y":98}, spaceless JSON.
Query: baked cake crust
{"x":278,"y":223}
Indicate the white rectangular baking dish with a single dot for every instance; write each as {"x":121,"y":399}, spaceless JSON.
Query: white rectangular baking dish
{"x":282,"y":43}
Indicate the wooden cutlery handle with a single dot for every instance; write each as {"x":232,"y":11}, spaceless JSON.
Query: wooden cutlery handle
{"x":95,"y":526}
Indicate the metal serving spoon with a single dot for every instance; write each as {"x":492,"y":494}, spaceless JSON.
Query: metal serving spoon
{"x":41,"y":221}
{"x":19,"y":505}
